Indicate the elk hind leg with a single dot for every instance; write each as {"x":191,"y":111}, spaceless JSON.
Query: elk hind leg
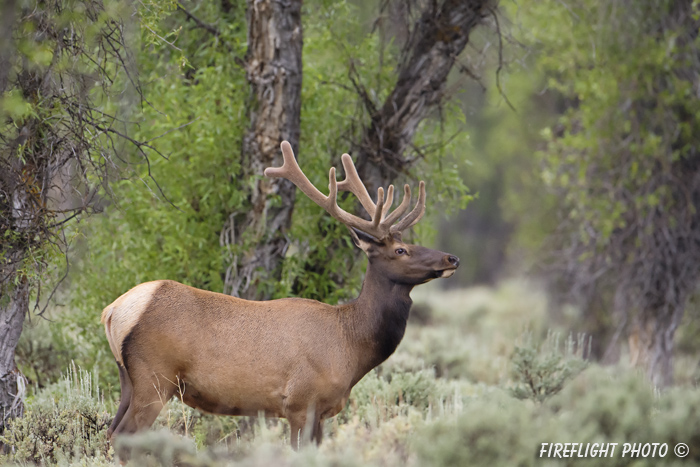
{"x":317,"y":433}
{"x":301,"y":431}
{"x":126,"y":392}
{"x":149,"y":396}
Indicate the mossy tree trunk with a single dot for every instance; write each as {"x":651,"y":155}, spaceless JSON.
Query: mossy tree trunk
{"x":274,"y":70}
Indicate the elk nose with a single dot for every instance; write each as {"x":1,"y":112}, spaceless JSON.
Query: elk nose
{"x":453,"y":260}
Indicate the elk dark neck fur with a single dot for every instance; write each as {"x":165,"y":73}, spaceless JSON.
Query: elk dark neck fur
{"x":376,"y":321}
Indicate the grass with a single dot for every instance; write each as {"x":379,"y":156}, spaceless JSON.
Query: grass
{"x":446,"y":397}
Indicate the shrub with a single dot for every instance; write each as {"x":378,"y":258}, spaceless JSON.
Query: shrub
{"x":377,"y":398}
{"x":68,"y":419}
{"x":539,"y":373}
{"x":601,"y":405}
{"x":620,"y":406}
{"x":161,"y":448}
{"x":493,"y":430}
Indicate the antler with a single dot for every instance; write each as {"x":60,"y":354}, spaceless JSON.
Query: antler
{"x":382,"y":222}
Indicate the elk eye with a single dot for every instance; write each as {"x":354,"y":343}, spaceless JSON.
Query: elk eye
{"x":400,"y":251}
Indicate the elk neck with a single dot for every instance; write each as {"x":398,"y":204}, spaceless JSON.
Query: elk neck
{"x":375,"y":322}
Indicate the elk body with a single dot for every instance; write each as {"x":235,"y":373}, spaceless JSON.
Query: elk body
{"x":291,"y":358}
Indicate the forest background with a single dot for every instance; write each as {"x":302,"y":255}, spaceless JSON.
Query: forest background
{"x":558,"y":143}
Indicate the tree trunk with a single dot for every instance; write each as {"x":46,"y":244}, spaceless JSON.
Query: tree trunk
{"x":18,"y":214}
{"x":651,"y":344}
{"x":13,"y":308}
{"x":257,"y":237}
{"x":438,"y":37}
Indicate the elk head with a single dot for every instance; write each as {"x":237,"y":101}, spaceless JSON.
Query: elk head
{"x":379,"y":237}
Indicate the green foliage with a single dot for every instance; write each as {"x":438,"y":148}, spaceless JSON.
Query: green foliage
{"x":505,"y":227}
{"x":623,"y":158}
{"x":377,"y":398}
{"x":44,"y":351}
{"x":165,"y":223}
{"x":68,"y":419}
{"x":338,"y":49}
{"x":632,"y":104}
{"x":143,"y":237}
{"x":58,"y":104}
{"x":616,"y":156}
{"x":492,"y":431}
{"x":168,"y":226}
{"x":539,"y":373}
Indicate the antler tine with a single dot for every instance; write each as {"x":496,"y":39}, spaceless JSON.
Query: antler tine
{"x":415,"y":215}
{"x":354,"y":185}
{"x":377,"y":214}
{"x":401,"y":209}
{"x":291,"y":171}
{"x":389,"y":201}
{"x":371,"y":227}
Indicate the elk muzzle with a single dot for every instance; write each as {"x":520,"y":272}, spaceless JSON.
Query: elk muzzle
{"x":452,"y":262}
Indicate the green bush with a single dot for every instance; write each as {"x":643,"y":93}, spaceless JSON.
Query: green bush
{"x":493,"y":430}
{"x":601,"y":405}
{"x":539,"y":373}
{"x":620,"y":406}
{"x":157,"y":448}
{"x":378,"y":397}
{"x":66,"y":420}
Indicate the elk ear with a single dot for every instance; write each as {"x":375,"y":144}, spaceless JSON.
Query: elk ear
{"x":364,"y":241}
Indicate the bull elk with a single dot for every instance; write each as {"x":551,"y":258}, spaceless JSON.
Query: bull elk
{"x":291,"y":358}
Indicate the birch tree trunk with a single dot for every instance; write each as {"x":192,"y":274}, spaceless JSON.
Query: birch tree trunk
{"x":256,"y":238}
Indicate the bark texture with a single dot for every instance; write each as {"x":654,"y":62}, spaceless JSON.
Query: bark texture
{"x":14,"y":305}
{"x":651,"y":344}
{"x":438,"y":37}
{"x":274,"y":70}
{"x":21,"y":210}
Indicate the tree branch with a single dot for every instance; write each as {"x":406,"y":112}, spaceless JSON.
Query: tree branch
{"x":438,"y":37}
{"x":198,"y":21}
